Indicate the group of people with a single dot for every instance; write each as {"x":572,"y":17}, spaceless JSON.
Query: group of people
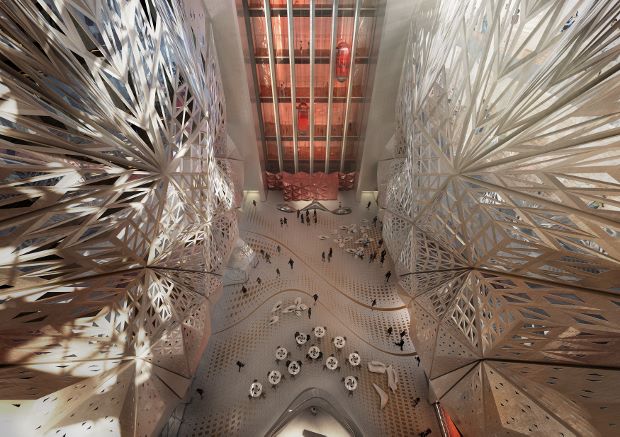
{"x":305,"y":218}
{"x":329,"y":255}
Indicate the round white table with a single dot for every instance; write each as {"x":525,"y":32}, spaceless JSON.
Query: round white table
{"x":339,"y":342}
{"x":301,"y":338}
{"x":354,"y":359}
{"x":319,"y":331}
{"x":256,"y":389}
{"x":314,"y":352}
{"x":350,"y":382}
{"x":281,"y":353}
{"x":331,"y":363}
{"x":274,"y":377}
{"x":294,"y":368}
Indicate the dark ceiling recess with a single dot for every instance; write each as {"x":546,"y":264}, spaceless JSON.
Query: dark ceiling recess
{"x":312,"y":87}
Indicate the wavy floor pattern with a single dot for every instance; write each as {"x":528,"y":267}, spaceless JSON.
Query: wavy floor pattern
{"x":346,"y":288}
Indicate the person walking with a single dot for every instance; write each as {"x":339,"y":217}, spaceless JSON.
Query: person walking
{"x":259,"y":280}
{"x":240,"y":365}
{"x":285,"y":222}
{"x":401,"y":343}
{"x":254,"y":202}
{"x":388,"y":275}
{"x":403,"y":333}
{"x":380,"y":242}
{"x":315,"y":296}
{"x":308,"y":220}
{"x":330,"y":252}
{"x":243,"y":289}
{"x":418,"y":360}
{"x":297,"y":213}
{"x":200,"y":392}
{"x":291,"y":262}
{"x":373,"y":304}
{"x":278,"y":248}
{"x":323,"y":256}
{"x":368,"y":206}
{"x":302,"y":219}
{"x":315,"y":222}
{"x":309,"y":313}
{"x":277,"y":272}
{"x":374,"y":221}
{"x":390,"y":330}
{"x":281,"y":222}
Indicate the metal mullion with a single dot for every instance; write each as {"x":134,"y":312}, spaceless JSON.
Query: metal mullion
{"x":331,"y":83}
{"x":291,"y":62}
{"x":251,"y":50}
{"x":312,"y":5}
{"x":274,"y":88}
{"x":345,"y":128}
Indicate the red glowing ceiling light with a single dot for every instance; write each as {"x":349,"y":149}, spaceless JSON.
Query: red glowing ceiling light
{"x":302,"y":117}
{"x":343,"y":61}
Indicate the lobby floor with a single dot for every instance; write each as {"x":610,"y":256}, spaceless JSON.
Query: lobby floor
{"x":346,"y":287}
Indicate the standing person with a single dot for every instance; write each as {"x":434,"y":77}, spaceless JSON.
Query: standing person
{"x":278,"y":248}
{"x":418,"y":360}
{"x":308,"y":220}
{"x":277,"y":272}
{"x":380,"y":242}
{"x":330,"y":252}
{"x":315,"y":296}
{"x":267,"y":257}
{"x":297,"y":213}
{"x":390,"y":330}
{"x":200,"y":392}
{"x":259,"y":280}
{"x":302,"y":219}
{"x":314,"y":213}
{"x":401,"y":343}
{"x":382,"y":260}
{"x":373,"y":304}
{"x":374,"y":221}
{"x":281,"y":222}
{"x":323,"y":256}
{"x":387,"y":276}
{"x":285,"y":221}
{"x":368,"y":206}
{"x":254,"y":202}
{"x":315,"y":219}
{"x":291,"y":262}
{"x":243,"y":289}
{"x":309,"y":313}
{"x":240,"y":365}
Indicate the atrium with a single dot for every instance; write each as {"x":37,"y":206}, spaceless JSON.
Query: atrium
{"x":309,"y":218}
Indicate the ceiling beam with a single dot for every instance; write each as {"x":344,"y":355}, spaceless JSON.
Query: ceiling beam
{"x":291,"y":56}
{"x":274,"y":87}
{"x":331,"y":83}
{"x":312,"y":10}
{"x":347,"y":108}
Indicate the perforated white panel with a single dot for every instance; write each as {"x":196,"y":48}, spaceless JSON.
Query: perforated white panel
{"x":116,"y":211}
{"x":504,"y":218}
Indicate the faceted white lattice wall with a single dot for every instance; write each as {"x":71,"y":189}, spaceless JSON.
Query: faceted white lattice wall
{"x":117,"y":197}
{"x":503,"y":214}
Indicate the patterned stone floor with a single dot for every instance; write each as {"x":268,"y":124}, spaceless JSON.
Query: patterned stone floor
{"x":346,"y":287}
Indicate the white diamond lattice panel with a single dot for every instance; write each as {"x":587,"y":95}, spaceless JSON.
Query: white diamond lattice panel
{"x":117,"y":198}
{"x":504,"y":216}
